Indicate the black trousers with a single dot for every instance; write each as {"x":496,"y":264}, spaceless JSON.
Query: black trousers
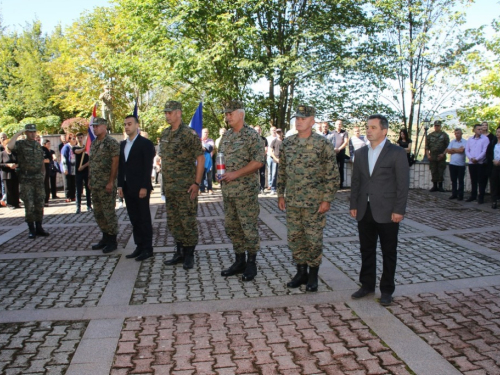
{"x":82,"y":180}
{"x":12,"y":190}
{"x":495,"y":183}
{"x":70,"y":187}
{"x":140,"y":217}
{"x":369,"y":232}
{"x":457,"y":176}
{"x":340,"y":163}
{"x":262,"y":175}
{"x":478,"y":176}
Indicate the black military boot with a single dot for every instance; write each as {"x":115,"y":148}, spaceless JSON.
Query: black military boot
{"x":434,"y":187}
{"x":39,"y":230}
{"x":300,"y":277}
{"x":102,"y":242}
{"x":178,"y":256}
{"x":111,"y":244}
{"x":251,"y":268}
{"x":440,"y":188}
{"x":188,"y":257}
{"x":238,"y":266}
{"x":145,"y":255}
{"x":312,"y":282}
{"x":135,"y":254}
{"x":32,"y":231}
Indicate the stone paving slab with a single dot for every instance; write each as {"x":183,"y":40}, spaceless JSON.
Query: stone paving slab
{"x":11,"y":217}
{"x":63,"y":238}
{"x":158,"y":283}
{"x":490,"y":239}
{"x":461,"y":218}
{"x":67,"y":215}
{"x":321,"y":339}
{"x":419,"y":260}
{"x":419,"y":200}
{"x":39,"y":347}
{"x":43,"y":283}
{"x":210,"y":232}
{"x":463,"y":326}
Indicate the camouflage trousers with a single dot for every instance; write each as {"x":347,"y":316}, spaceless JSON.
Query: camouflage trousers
{"x":305,"y":234}
{"x":104,"y":210}
{"x":437,"y":169}
{"x":181,"y":217}
{"x":32,"y":193}
{"x":241,"y":214}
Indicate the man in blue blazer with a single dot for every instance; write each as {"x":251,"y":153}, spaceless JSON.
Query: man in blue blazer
{"x":379,"y":191}
{"x":134,"y":184}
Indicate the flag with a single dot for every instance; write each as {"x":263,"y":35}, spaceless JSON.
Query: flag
{"x":197,"y":120}
{"x":91,"y":135}
{"x":136,"y":114}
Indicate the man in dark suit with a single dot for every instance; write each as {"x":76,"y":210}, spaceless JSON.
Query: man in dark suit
{"x":379,"y":191}
{"x":134,"y":184}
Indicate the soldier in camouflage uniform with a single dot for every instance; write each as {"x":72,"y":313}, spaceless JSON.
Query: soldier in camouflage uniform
{"x":103,"y":169}
{"x":31,"y":187}
{"x":435,"y":148}
{"x":308,"y":175}
{"x":182,"y":167}
{"x":245,"y":155}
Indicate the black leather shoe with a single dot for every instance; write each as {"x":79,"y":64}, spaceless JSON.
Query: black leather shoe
{"x":312,"y":282}
{"x":453,"y":197}
{"x":480,"y":200}
{"x":32,"y":231}
{"x":77,"y":210}
{"x":135,"y":254}
{"x":470,"y":199}
{"x":188,"y":257}
{"x":434,"y":187}
{"x":102,"y":242}
{"x":362,"y":292}
{"x":89,"y":209}
{"x":250,"y":269}
{"x":385,"y":299}
{"x":494,"y":205}
{"x":39,"y":230}
{"x":111,"y":244}
{"x":145,"y":255}
{"x":440,"y":188}
{"x":460,"y":198}
{"x":178,"y":256}
{"x":237,"y":267}
{"x":300,"y":277}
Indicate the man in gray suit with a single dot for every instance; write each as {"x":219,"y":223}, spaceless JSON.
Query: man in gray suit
{"x":379,"y":191}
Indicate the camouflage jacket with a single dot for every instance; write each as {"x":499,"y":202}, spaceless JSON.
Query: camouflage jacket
{"x":101,"y":159}
{"x":437,"y":142}
{"x":240,"y":149}
{"x":178,"y":151}
{"x":307,"y":171}
{"x":29,"y":158}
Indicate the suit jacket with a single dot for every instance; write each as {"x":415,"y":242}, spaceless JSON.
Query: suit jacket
{"x":136,"y":171}
{"x":387,"y":187}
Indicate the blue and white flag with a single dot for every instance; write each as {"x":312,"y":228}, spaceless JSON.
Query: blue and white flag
{"x":197,"y":120}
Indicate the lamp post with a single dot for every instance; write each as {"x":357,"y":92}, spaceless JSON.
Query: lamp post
{"x":427,"y":123}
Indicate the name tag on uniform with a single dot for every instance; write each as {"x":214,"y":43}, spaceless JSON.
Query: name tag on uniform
{"x":309,"y":147}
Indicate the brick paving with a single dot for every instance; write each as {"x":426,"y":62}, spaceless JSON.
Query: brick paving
{"x":463,"y":326}
{"x":39,"y":347}
{"x":326,"y":339}
{"x":489,"y":239}
{"x":462,"y":218}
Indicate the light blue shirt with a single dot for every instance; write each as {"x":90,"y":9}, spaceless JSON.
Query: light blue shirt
{"x":374,"y":153}
{"x":458,"y":159}
{"x":128,"y":146}
{"x":496,"y":152}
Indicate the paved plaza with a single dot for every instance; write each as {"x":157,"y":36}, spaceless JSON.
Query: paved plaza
{"x":66,"y":309}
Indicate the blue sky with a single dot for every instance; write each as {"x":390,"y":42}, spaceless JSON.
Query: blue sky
{"x":16,"y":13}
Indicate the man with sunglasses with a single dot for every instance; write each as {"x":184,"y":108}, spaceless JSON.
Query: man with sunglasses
{"x":103,"y":169}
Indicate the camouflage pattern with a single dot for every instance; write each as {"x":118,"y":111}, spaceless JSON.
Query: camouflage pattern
{"x":99,"y":121}
{"x":307,"y":172}
{"x":241,"y":214}
{"x":101,"y":159}
{"x":179,"y":150}
{"x":240,"y":148}
{"x":30,"y":128}
{"x":305,"y":234}
{"x":437,"y":142}
{"x":172,"y":105}
{"x":305,"y":111}
{"x":232,"y":105}
{"x":31,"y":186}
{"x":181,"y":217}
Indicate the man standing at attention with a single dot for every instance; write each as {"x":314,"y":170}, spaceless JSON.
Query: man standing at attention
{"x":182,"y":167}
{"x":340,"y":141}
{"x":103,"y":168}
{"x":456,"y":149}
{"x":475,"y":150}
{"x":244,"y":153}
{"x":32,"y":190}
{"x":309,"y":177}
{"x":435,"y":148}
{"x":379,"y":191}
{"x":134,"y":184}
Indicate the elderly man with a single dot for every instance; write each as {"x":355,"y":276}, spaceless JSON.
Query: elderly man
{"x":30,"y":160}
{"x":244,"y":153}
{"x":435,"y":148}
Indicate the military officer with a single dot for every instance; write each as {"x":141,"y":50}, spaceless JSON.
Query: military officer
{"x":103,"y":169}
{"x":245,"y":155}
{"x":435,"y":148}
{"x":183,"y":164}
{"x":308,"y":179}
{"x":31,"y":187}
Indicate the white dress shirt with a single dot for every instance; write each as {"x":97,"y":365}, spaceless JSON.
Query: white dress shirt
{"x":374,"y":153}
{"x":128,"y":146}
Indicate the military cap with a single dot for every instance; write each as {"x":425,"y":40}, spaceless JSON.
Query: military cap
{"x":172,"y":105}
{"x":305,"y":111}
{"x":30,"y":128}
{"x":99,"y":121}
{"x":437,"y":122}
{"x":232,"y":105}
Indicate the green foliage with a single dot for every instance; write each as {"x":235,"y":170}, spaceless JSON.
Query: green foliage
{"x":7,"y":120}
